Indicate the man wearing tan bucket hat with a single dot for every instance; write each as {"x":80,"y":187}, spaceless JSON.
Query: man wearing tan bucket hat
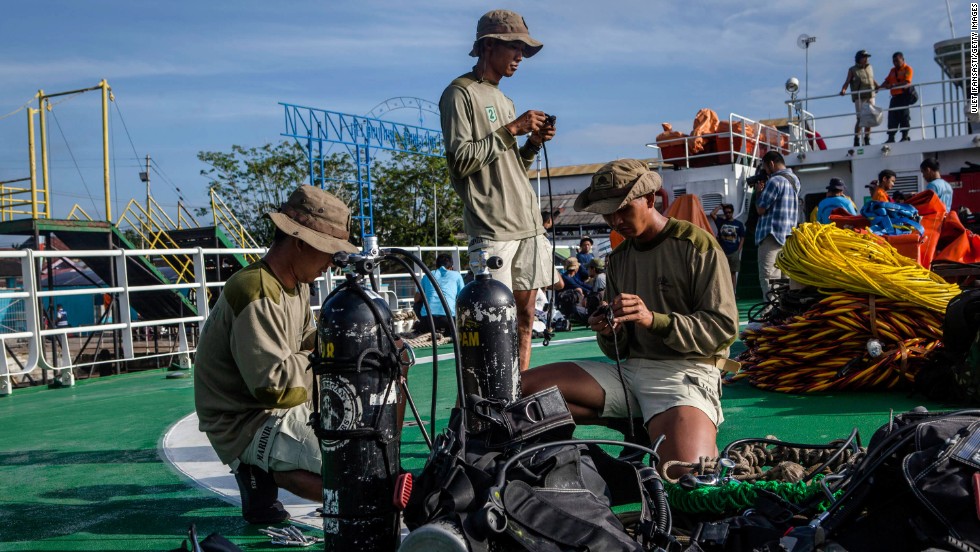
{"x":489,"y":170}
{"x":673,"y":316}
{"x":251,"y":379}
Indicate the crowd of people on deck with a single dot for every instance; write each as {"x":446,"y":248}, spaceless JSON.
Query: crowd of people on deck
{"x":662,"y":303}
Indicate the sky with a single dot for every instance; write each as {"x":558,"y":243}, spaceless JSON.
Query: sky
{"x":205,"y":75}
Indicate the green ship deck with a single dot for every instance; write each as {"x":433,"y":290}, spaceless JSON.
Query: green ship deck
{"x":83,"y":468}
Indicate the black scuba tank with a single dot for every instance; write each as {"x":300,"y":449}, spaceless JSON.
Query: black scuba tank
{"x":357,"y":382}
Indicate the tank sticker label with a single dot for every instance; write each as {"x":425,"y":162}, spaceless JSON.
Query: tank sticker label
{"x":379,"y":398}
{"x":340,"y":408}
{"x":330,"y":503}
{"x":469,"y":339}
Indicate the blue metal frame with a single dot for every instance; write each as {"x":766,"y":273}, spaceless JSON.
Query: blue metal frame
{"x":359,"y":134}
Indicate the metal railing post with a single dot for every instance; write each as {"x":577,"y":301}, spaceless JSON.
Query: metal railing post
{"x":125,"y":314}
{"x":5,"y":387}
{"x":200,"y":278}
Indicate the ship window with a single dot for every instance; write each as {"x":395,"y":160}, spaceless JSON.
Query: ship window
{"x":907,"y":183}
{"x":710,"y":201}
{"x":678,"y":192}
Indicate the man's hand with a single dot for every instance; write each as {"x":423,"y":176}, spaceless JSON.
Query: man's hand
{"x":599,"y":321}
{"x":759,"y":186}
{"x":529,"y":122}
{"x":630,"y":308}
{"x":542,"y":135}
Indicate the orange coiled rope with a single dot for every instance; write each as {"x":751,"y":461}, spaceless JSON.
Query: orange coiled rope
{"x":827,"y":347}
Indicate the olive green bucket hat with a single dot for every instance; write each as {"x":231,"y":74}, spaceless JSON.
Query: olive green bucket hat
{"x":507,"y":26}
{"x":317,"y":217}
{"x":616,"y":184}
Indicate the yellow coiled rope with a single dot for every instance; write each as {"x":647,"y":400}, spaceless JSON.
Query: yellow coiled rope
{"x":832,"y":258}
{"x":826,"y":348}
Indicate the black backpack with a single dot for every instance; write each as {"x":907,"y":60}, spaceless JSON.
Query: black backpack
{"x":916,"y":488}
{"x":523,"y":484}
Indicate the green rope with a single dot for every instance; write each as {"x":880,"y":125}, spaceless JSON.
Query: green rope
{"x":733,"y":497}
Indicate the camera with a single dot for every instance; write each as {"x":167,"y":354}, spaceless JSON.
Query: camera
{"x":755,"y":179}
{"x":549,"y":120}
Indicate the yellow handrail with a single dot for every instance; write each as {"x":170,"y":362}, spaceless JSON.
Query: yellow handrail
{"x":227,"y":222}
{"x":185,"y":221}
{"x":151,"y":228}
{"x":73,"y":214}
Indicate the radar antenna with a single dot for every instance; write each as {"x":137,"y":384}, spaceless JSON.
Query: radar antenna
{"x":804,"y":41}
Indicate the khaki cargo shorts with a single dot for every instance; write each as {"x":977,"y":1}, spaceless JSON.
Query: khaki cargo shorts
{"x":656,"y":386}
{"x":528,"y":263}
{"x":285,"y":443}
{"x":734,"y":261}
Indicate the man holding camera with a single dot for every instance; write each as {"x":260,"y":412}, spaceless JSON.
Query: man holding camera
{"x":489,"y":170}
{"x":777,"y":203}
{"x":670,"y":319}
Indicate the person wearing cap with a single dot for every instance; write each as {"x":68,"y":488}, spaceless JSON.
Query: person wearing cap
{"x":901,"y":98}
{"x":731,"y":237}
{"x":584,"y":256}
{"x":673,"y":317}
{"x":861,"y":79}
{"x":835,"y":200}
{"x":488,"y":168}
{"x":777,"y":204}
{"x":252,"y":382}
{"x":884,"y":184}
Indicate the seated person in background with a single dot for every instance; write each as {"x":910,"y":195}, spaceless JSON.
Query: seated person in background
{"x":673,"y":316}
{"x":572,"y":277}
{"x":835,"y":199}
{"x":884,"y":184}
{"x":571,"y":299}
{"x":597,"y":279}
{"x":450,"y":282}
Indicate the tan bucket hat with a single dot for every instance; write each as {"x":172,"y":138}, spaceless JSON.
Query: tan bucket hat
{"x":317,"y":217}
{"x":616,"y":184}
{"x":507,"y":26}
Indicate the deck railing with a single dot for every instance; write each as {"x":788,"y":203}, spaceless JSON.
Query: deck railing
{"x":948,"y":116}
{"x":33,"y":352}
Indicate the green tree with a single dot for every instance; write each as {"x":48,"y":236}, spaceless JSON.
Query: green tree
{"x":253,"y":181}
{"x":411,"y":192}
{"x":412,"y":199}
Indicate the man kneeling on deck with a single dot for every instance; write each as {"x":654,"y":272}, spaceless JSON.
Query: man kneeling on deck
{"x":673,"y":316}
{"x":252,"y":383}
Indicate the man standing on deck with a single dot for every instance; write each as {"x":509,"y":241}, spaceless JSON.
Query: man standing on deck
{"x":673,"y":318}
{"x":489,"y":171}
{"x":934,"y":181}
{"x":777,"y":203}
{"x":861,"y":79}
{"x":898,"y":107}
{"x":252,"y":383}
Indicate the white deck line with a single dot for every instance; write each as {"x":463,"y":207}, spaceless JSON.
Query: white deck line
{"x":189,"y":452}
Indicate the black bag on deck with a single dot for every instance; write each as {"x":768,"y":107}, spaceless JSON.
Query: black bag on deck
{"x":552,"y":498}
{"x":916,"y":488}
